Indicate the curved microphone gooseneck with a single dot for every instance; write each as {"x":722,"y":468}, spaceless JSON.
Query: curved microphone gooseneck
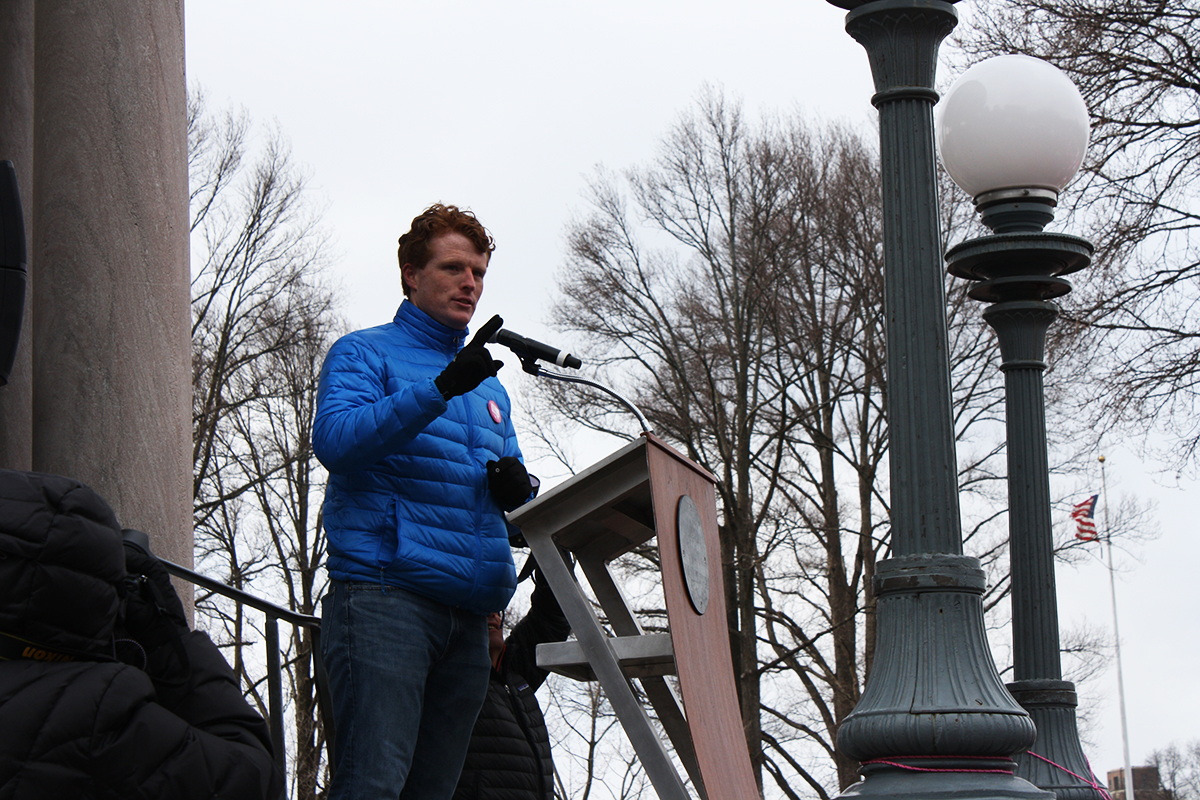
{"x":530,"y":351}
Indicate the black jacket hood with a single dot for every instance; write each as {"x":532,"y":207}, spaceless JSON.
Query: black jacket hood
{"x":61,"y":564}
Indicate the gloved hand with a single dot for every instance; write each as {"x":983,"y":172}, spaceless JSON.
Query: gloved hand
{"x":152,"y":607}
{"x":509,"y":483}
{"x":473,"y":364}
{"x":152,"y":624}
{"x":532,"y":567}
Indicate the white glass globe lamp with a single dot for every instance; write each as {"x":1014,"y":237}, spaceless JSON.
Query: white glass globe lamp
{"x":1012,"y":128}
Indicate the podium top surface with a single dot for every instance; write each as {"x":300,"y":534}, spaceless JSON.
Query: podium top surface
{"x":607,"y":508}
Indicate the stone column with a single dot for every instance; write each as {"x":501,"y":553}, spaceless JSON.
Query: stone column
{"x":111,"y":373}
{"x":16,"y":145}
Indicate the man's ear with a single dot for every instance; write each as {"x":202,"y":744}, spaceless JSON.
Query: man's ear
{"x":406,"y":272}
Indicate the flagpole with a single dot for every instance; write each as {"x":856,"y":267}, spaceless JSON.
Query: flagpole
{"x":1112,"y":584}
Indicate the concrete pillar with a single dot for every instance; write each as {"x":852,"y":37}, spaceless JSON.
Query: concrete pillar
{"x":16,"y":145}
{"x":111,"y":368}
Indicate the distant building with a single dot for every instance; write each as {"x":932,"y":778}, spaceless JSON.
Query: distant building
{"x":1146,"y":784}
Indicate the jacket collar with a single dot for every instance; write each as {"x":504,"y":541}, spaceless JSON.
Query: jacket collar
{"x":427,"y":329}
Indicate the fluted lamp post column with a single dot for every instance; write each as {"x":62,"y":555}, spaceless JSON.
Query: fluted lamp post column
{"x":935,"y":720}
{"x":1012,"y":132}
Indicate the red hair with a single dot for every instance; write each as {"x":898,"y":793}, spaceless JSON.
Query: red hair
{"x":433,"y":222}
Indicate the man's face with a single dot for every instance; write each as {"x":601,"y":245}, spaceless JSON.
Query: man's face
{"x":495,"y":624}
{"x":448,"y":287}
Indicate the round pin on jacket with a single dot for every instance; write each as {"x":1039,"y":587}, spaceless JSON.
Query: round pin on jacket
{"x":494,"y":410}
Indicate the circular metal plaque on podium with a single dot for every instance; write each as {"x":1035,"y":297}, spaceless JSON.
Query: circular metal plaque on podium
{"x":693,"y":553}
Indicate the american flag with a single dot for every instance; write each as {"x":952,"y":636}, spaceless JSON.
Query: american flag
{"x":1084,"y":516}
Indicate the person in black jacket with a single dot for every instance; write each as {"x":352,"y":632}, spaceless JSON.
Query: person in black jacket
{"x":509,"y":756}
{"x":77,"y":721}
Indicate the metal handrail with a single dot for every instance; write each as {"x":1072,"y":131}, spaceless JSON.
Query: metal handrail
{"x":273,"y":614}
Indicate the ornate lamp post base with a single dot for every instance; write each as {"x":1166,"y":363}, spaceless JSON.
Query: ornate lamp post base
{"x":935,"y":719}
{"x":988,"y":781}
{"x":1062,"y":767}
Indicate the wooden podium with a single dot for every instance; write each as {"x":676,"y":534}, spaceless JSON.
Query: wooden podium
{"x":644,"y":490}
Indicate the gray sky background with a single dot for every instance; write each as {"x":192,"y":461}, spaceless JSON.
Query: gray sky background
{"x":507,"y":108}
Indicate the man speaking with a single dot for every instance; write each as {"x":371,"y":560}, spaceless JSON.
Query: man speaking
{"x":423,"y":461}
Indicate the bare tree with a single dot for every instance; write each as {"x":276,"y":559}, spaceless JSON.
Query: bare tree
{"x":256,"y":248}
{"x":262,"y":322}
{"x":584,"y":764}
{"x":752,"y":338}
{"x":751,"y":335}
{"x":1179,"y":769}
{"x":277,"y":430}
{"x":1137,"y":67}
{"x":694,"y":339}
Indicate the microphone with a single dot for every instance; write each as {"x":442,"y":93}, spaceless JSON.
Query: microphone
{"x":528,"y":348}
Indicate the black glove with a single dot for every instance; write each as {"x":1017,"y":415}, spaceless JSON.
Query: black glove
{"x":152,"y":607}
{"x":473,"y":364}
{"x":510,"y":484}
{"x":532,"y":567}
{"x":152,"y":624}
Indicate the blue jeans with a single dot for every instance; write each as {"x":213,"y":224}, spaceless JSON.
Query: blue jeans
{"x":408,"y":676}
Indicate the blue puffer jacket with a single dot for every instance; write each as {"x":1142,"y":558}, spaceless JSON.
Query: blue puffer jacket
{"x":408,"y":503}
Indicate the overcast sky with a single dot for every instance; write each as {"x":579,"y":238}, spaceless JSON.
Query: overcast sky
{"x":507,"y":108}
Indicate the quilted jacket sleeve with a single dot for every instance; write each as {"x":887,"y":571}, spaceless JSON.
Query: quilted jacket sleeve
{"x":358,"y":422}
{"x":89,"y":730}
{"x":545,"y":622}
{"x":212,"y":745}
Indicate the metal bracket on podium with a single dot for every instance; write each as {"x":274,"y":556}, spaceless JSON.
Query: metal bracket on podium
{"x":646,"y":491}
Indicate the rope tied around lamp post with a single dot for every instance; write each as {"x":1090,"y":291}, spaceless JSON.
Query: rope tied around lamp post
{"x":1012,"y":765}
{"x":1095,"y":784}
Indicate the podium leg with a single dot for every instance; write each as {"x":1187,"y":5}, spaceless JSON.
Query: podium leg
{"x":660,"y":694}
{"x":591,"y":637}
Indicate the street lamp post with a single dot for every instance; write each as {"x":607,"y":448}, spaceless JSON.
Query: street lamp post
{"x":1012,"y":132}
{"x":935,"y":719}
